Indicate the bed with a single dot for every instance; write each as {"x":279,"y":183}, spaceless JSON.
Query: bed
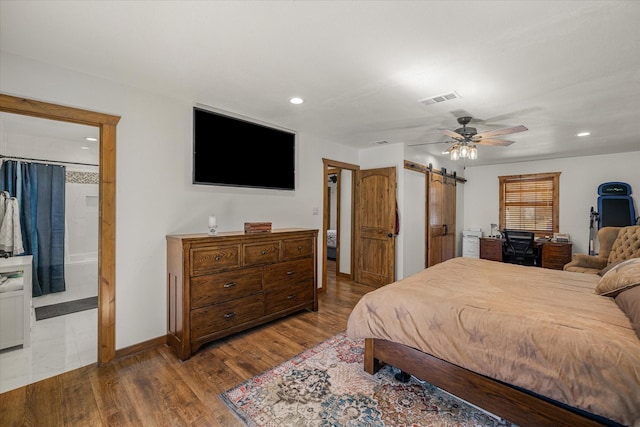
{"x":331,"y":244}
{"x":531,"y":345}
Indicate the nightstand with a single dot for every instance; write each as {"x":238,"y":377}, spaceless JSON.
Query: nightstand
{"x":491,"y":248}
{"x":555,"y":255}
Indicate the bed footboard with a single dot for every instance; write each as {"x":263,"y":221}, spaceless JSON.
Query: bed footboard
{"x":501,"y":399}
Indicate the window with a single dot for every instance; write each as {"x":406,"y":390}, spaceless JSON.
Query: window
{"x":530,"y":202}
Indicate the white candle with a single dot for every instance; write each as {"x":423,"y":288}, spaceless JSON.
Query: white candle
{"x":212,"y":221}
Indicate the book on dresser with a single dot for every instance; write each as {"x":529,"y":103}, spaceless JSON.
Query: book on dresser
{"x":223,"y":284}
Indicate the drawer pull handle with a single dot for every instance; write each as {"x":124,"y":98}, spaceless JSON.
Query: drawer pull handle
{"x":299,"y":248}
{"x":229,"y":315}
{"x":229,"y":285}
{"x":292,"y":296}
{"x":264,"y":252}
{"x":217,"y":258}
{"x":289,"y":273}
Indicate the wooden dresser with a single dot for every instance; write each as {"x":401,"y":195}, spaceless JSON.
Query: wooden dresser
{"x":223,"y":284}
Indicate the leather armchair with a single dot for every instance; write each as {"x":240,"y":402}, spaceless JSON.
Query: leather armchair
{"x":616,"y":244}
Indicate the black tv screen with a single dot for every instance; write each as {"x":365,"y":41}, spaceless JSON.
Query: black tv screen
{"x":234,"y":152}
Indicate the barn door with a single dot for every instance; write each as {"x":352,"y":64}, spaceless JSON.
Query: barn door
{"x":375,"y":226}
{"x":441,"y":218}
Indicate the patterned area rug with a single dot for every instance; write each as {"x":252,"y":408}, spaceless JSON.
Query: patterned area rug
{"x":327,"y":386}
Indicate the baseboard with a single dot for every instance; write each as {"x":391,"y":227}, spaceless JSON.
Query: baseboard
{"x":344,"y":275}
{"x":145,"y":345}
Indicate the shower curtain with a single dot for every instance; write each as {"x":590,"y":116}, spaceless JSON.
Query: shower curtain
{"x":39,"y":189}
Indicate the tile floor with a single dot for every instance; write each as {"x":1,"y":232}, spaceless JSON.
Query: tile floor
{"x":58,"y":345}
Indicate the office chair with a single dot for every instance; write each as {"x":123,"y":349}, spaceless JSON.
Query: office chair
{"x":519,"y":247}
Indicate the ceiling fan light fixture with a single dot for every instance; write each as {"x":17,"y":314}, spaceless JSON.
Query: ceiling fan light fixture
{"x":473,"y":153}
{"x":455,"y":154}
{"x":464,"y":151}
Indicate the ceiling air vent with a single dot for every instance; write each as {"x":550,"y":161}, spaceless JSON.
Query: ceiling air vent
{"x":381,"y":142}
{"x":440,"y":98}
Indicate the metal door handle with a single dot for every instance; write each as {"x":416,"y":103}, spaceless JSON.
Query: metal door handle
{"x":446,"y":229}
{"x":389,"y":234}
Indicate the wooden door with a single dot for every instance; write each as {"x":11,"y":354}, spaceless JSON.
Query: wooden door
{"x":441,"y":218}
{"x":375,"y":226}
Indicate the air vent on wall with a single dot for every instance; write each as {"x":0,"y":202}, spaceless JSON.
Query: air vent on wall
{"x":440,"y":98}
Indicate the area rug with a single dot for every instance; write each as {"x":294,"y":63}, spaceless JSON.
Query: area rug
{"x":327,"y":386}
{"x":62,"y":308}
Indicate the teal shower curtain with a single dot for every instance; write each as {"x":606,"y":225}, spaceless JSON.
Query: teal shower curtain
{"x":40,"y":190}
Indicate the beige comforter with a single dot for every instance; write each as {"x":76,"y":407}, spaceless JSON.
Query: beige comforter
{"x":544,"y":330}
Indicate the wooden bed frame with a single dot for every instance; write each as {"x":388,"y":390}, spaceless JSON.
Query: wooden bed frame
{"x":501,"y":399}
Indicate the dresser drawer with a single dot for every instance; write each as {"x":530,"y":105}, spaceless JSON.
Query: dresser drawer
{"x":294,"y":248}
{"x":287,"y":273}
{"x":215,"y":318}
{"x":261,"y":253}
{"x":221,"y":287}
{"x":281,"y":299}
{"x":212,"y":258}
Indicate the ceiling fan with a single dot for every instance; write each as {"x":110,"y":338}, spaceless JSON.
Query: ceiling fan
{"x":466,"y":138}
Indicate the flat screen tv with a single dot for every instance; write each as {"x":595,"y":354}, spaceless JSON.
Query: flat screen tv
{"x":231,"y":151}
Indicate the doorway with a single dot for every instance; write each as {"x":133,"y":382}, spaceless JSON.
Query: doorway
{"x":106,"y":203}
{"x":338,"y":218}
{"x":62,"y":157}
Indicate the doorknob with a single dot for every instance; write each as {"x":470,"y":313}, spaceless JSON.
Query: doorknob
{"x":390,"y":235}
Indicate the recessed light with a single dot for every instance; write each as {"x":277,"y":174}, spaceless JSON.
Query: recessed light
{"x":92,"y":139}
{"x":583,"y":134}
{"x":296,"y":100}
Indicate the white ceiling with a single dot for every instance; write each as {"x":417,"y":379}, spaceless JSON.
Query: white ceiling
{"x":557,"y":67}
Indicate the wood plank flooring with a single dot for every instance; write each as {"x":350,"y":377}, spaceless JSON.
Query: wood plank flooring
{"x":154,"y":388}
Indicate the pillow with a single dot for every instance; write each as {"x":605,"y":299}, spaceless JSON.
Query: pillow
{"x":622,"y":276}
{"x":607,"y":268}
{"x":629,"y":302}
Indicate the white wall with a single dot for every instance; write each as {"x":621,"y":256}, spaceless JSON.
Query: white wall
{"x":579,"y":180}
{"x":154,"y":194}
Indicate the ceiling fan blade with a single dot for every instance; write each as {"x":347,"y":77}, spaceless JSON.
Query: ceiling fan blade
{"x":430,"y":143}
{"x":494,"y":141}
{"x":452,"y":134}
{"x":498,"y":132}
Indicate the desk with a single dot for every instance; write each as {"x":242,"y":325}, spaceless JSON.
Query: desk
{"x":553,"y":255}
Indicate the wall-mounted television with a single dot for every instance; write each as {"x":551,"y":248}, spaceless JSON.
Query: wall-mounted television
{"x":231,"y":151}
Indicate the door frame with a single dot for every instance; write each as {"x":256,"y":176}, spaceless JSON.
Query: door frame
{"x":107,"y":207}
{"x":326,"y":164}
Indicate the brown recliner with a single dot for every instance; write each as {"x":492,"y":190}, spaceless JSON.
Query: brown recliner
{"x":616,"y":244}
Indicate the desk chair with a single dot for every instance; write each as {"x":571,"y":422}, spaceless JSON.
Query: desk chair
{"x":519,"y":247}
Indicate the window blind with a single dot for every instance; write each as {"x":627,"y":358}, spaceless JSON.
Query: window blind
{"x":529,"y":202}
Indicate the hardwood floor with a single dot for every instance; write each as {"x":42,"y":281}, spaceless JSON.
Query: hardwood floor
{"x":154,"y":388}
